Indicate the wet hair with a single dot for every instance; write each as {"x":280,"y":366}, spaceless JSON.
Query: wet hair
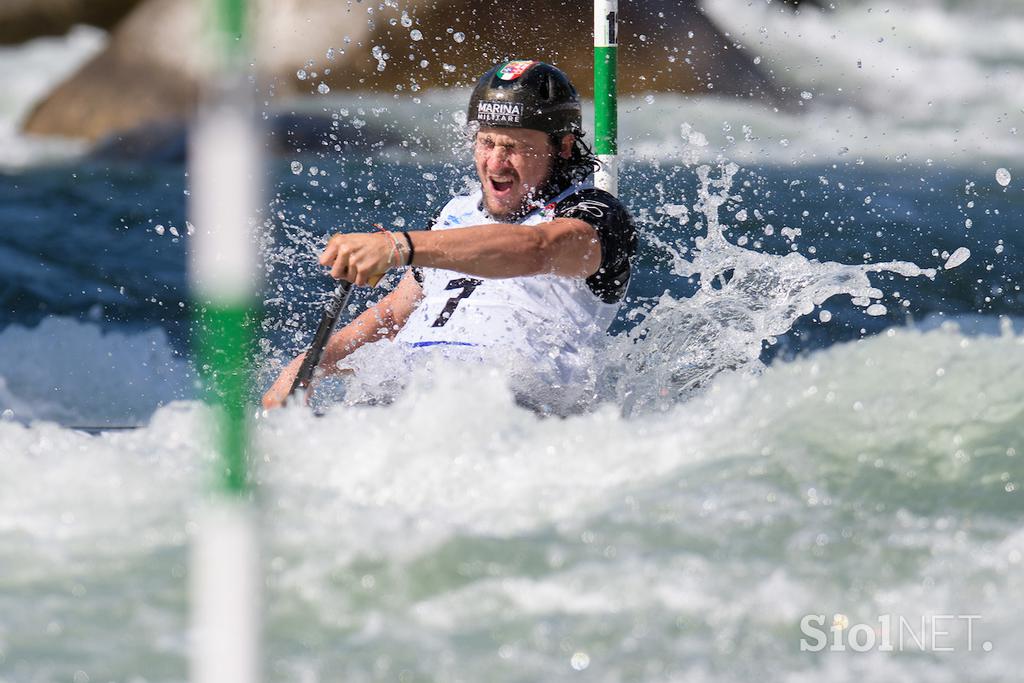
{"x":578,"y":167}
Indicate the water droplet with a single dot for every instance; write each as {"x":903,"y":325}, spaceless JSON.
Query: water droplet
{"x":331,"y":53}
{"x":459,"y":37}
{"x":158,"y":229}
{"x":741,"y":215}
{"x":806,"y":95}
{"x":416,"y":34}
{"x":580,"y":661}
{"x":1003,"y":177}
{"x":406,"y":21}
{"x":296,"y":167}
{"x":174,"y":231}
{"x":824,"y":315}
{"x":7,"y":415}
{"x":968,"y":223}
{"x":301,"y":74}
{"x":649,"y":99}
{"x":876,"y":309}
{"x":323,"y":89}
{"x":957,"y":258}
{"x":757,"y":60}
{"x":450,"y":68}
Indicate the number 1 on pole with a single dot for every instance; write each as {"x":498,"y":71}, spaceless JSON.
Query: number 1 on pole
{"x":605,"y":96}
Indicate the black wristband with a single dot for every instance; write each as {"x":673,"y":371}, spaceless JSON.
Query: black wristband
{"x":412,"y":249}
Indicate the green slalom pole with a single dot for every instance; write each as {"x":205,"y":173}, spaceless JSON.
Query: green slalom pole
{"x":225,"y":195}
{"x":224,"y":182}
{"x":606,"y":116}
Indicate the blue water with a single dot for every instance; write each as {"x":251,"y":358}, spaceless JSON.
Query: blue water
{"x":82,"y":240}
{"x":873,"y":468}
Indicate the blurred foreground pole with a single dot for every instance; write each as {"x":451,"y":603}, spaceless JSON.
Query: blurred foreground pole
{"x":606,"y":117}
{"x":224,"y":182}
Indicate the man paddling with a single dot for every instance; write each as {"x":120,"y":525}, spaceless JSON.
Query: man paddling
{"x":533,"y":265}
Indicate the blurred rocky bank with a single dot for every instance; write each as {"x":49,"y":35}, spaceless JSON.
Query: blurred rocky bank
{"x":146,"y":78}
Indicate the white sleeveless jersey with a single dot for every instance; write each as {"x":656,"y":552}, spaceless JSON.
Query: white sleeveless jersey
{"x":547,"y":320}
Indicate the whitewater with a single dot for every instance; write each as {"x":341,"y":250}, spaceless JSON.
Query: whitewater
{"x":811,"y":404}
{"x":871,"y":478}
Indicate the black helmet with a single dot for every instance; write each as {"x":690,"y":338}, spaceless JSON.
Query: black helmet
{"x":526,"y":94}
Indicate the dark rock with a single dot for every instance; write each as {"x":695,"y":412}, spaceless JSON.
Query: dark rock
{"x":149,"y":71}
{"x":143,"y":76}
{"x":655,"y":52}
{"x":22,"y":20}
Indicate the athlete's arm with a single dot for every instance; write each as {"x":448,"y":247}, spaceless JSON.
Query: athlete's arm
{"x":381,"y":321}
{"x":563,"y":246}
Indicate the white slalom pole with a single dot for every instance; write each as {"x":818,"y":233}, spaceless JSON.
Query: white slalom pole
{"x":224,"y":180}
{"x":606,"y":18}
{"x":224,"y":590}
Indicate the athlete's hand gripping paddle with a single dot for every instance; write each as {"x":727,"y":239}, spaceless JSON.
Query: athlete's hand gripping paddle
{"x":323,"y":332}
{"x":327,"y":322}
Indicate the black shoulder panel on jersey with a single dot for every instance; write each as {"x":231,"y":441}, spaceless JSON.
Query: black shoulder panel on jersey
{"x":616,"y":233}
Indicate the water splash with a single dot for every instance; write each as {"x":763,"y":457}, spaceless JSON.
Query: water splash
{"x":745,"y":298}
{"x":957,"y":258}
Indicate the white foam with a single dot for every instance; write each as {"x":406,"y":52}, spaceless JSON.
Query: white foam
{"x":29,"y":72}
{"x":391,"y":532}
{"x":910,"y":82}
{"x":73,"y":373}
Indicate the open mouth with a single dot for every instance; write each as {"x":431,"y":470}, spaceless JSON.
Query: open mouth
{"x":502,"y":184}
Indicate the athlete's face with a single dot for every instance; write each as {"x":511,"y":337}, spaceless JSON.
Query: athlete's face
{"x":512,"y":163}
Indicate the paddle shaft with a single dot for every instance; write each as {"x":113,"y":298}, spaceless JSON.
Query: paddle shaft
{"x":323,"y":333}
